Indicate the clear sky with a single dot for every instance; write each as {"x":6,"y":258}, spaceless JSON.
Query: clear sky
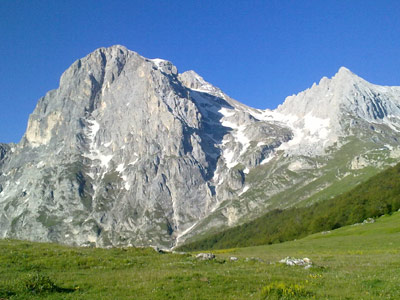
{"x":258,"y":52}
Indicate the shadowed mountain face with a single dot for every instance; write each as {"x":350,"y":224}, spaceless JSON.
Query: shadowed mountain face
{"x":129,"y":152}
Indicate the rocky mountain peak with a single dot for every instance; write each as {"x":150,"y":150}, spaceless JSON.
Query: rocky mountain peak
{"x":344,"y":92}
{"x":194,"y":81}
{"x":344,"y":72}
{"x":328,"y":107}
{"x":347,"y":81}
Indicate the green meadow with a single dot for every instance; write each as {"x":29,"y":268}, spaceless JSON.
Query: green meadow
{"x":352,"y":262}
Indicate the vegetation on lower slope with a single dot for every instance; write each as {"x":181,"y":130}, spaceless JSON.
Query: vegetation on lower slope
{"x":353,"y":262}
{"x":377,"y":196}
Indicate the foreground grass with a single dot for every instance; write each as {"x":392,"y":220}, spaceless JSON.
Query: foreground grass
{"x":354,"y":262}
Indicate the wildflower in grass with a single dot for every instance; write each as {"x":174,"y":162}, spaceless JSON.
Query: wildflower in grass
{"x":280,"y":290}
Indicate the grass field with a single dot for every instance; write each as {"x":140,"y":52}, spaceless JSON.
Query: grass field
{"x":353,"y":262}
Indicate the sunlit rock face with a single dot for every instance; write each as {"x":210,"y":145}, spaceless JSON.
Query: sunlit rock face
{"x":127,"y":151}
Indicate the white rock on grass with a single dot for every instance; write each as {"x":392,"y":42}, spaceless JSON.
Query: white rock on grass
{"x":291,"y":261}
{"x":205,"y":256}
{"x":233,"y":258}
{"x":368,"y":221}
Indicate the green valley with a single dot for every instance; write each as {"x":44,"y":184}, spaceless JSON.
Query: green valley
{"x":353,"y":262}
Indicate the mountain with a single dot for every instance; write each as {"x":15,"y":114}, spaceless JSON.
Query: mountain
{"x":127,"y":151}
{"x":373,"y":198}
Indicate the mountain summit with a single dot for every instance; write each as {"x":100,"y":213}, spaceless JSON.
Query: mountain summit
{"x":127,"y":151}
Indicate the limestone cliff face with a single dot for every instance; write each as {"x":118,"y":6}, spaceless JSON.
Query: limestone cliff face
{"x":127,"y":151}
{"x":123,"y":152}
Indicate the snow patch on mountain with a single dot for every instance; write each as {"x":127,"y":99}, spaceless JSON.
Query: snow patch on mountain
{"x":311,"y":134}
{"x":245,"y":189}
{"x":238,"y":135}
{"x":94,"y":152}
{"x":120,"y":168}
{"x":158,"y":61}
{"x":267,"y":159}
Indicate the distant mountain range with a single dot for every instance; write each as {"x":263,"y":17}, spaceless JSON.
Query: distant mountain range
{"x":127,"y":151}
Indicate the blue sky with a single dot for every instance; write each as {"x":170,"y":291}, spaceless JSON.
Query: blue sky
{"x":258,"y":52}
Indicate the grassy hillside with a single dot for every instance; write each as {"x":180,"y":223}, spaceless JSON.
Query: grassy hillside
{"x":377,"y":196}
{"x":354,"y":262}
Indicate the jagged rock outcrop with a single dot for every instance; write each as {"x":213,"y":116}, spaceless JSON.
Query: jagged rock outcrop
{"x":127,"y":151}
{"x":4,"y":149}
